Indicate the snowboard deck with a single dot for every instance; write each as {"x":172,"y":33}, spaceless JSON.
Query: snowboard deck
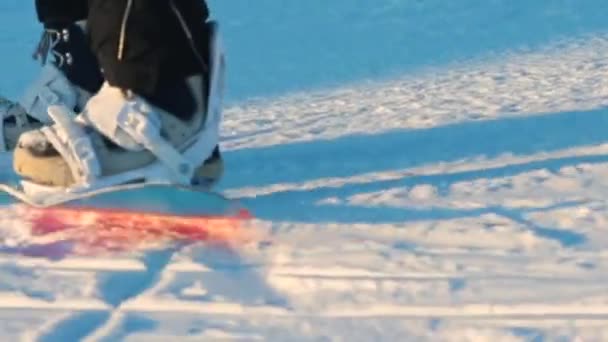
{"x":129,"y":217}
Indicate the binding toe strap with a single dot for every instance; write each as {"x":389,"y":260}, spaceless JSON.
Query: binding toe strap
{"x":73,"y":144}
{"x":145,"y":130}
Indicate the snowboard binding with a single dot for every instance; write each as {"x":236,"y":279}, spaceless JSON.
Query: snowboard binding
{"x":171,"y":167}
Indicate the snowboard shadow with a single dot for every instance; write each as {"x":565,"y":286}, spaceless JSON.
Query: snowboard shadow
{"x":359,"y":154}
{"x":356,"y":155}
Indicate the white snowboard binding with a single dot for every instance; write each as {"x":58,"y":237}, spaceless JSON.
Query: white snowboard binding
{"x":134,"y":125}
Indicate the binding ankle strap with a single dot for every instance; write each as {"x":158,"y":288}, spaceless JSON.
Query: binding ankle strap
{"x":142,"y":129}
{"x":73,"y":144}
{"x":51,"y":88}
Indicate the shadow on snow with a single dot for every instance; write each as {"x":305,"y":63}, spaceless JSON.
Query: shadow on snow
{"x":390,"y":151}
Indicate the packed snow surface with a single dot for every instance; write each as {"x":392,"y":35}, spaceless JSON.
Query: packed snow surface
{"x":418,"y":170}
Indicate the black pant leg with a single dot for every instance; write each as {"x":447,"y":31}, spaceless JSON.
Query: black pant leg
{"x":60,"y":12}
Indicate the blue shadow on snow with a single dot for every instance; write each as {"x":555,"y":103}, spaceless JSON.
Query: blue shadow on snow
{"x":355,"y":155}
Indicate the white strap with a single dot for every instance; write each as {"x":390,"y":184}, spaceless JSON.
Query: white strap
{"x":73,"y":144}
{"x":102,"y":112}
{"x":51,"y":88}
{"x":216,"y":91}
{"x":146,"y":131}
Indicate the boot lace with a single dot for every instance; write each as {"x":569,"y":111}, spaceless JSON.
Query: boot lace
{"x":49,"y":40}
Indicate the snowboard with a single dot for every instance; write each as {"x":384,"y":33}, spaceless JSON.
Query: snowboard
{"x":122,"y":218}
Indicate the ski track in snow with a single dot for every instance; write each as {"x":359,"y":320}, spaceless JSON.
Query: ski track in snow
{"x":462,"y":203}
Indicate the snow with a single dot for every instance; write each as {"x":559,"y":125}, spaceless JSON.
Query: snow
{"x":418,"y":170}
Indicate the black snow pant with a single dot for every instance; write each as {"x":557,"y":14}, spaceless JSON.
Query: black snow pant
{"x":147,"y":46}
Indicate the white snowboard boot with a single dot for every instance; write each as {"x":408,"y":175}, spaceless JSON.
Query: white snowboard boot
{"x":121,"y":138}
{"x":51,"y":87}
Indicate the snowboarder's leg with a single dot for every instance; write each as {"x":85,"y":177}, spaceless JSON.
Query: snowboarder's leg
{"x":162,"y":126}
